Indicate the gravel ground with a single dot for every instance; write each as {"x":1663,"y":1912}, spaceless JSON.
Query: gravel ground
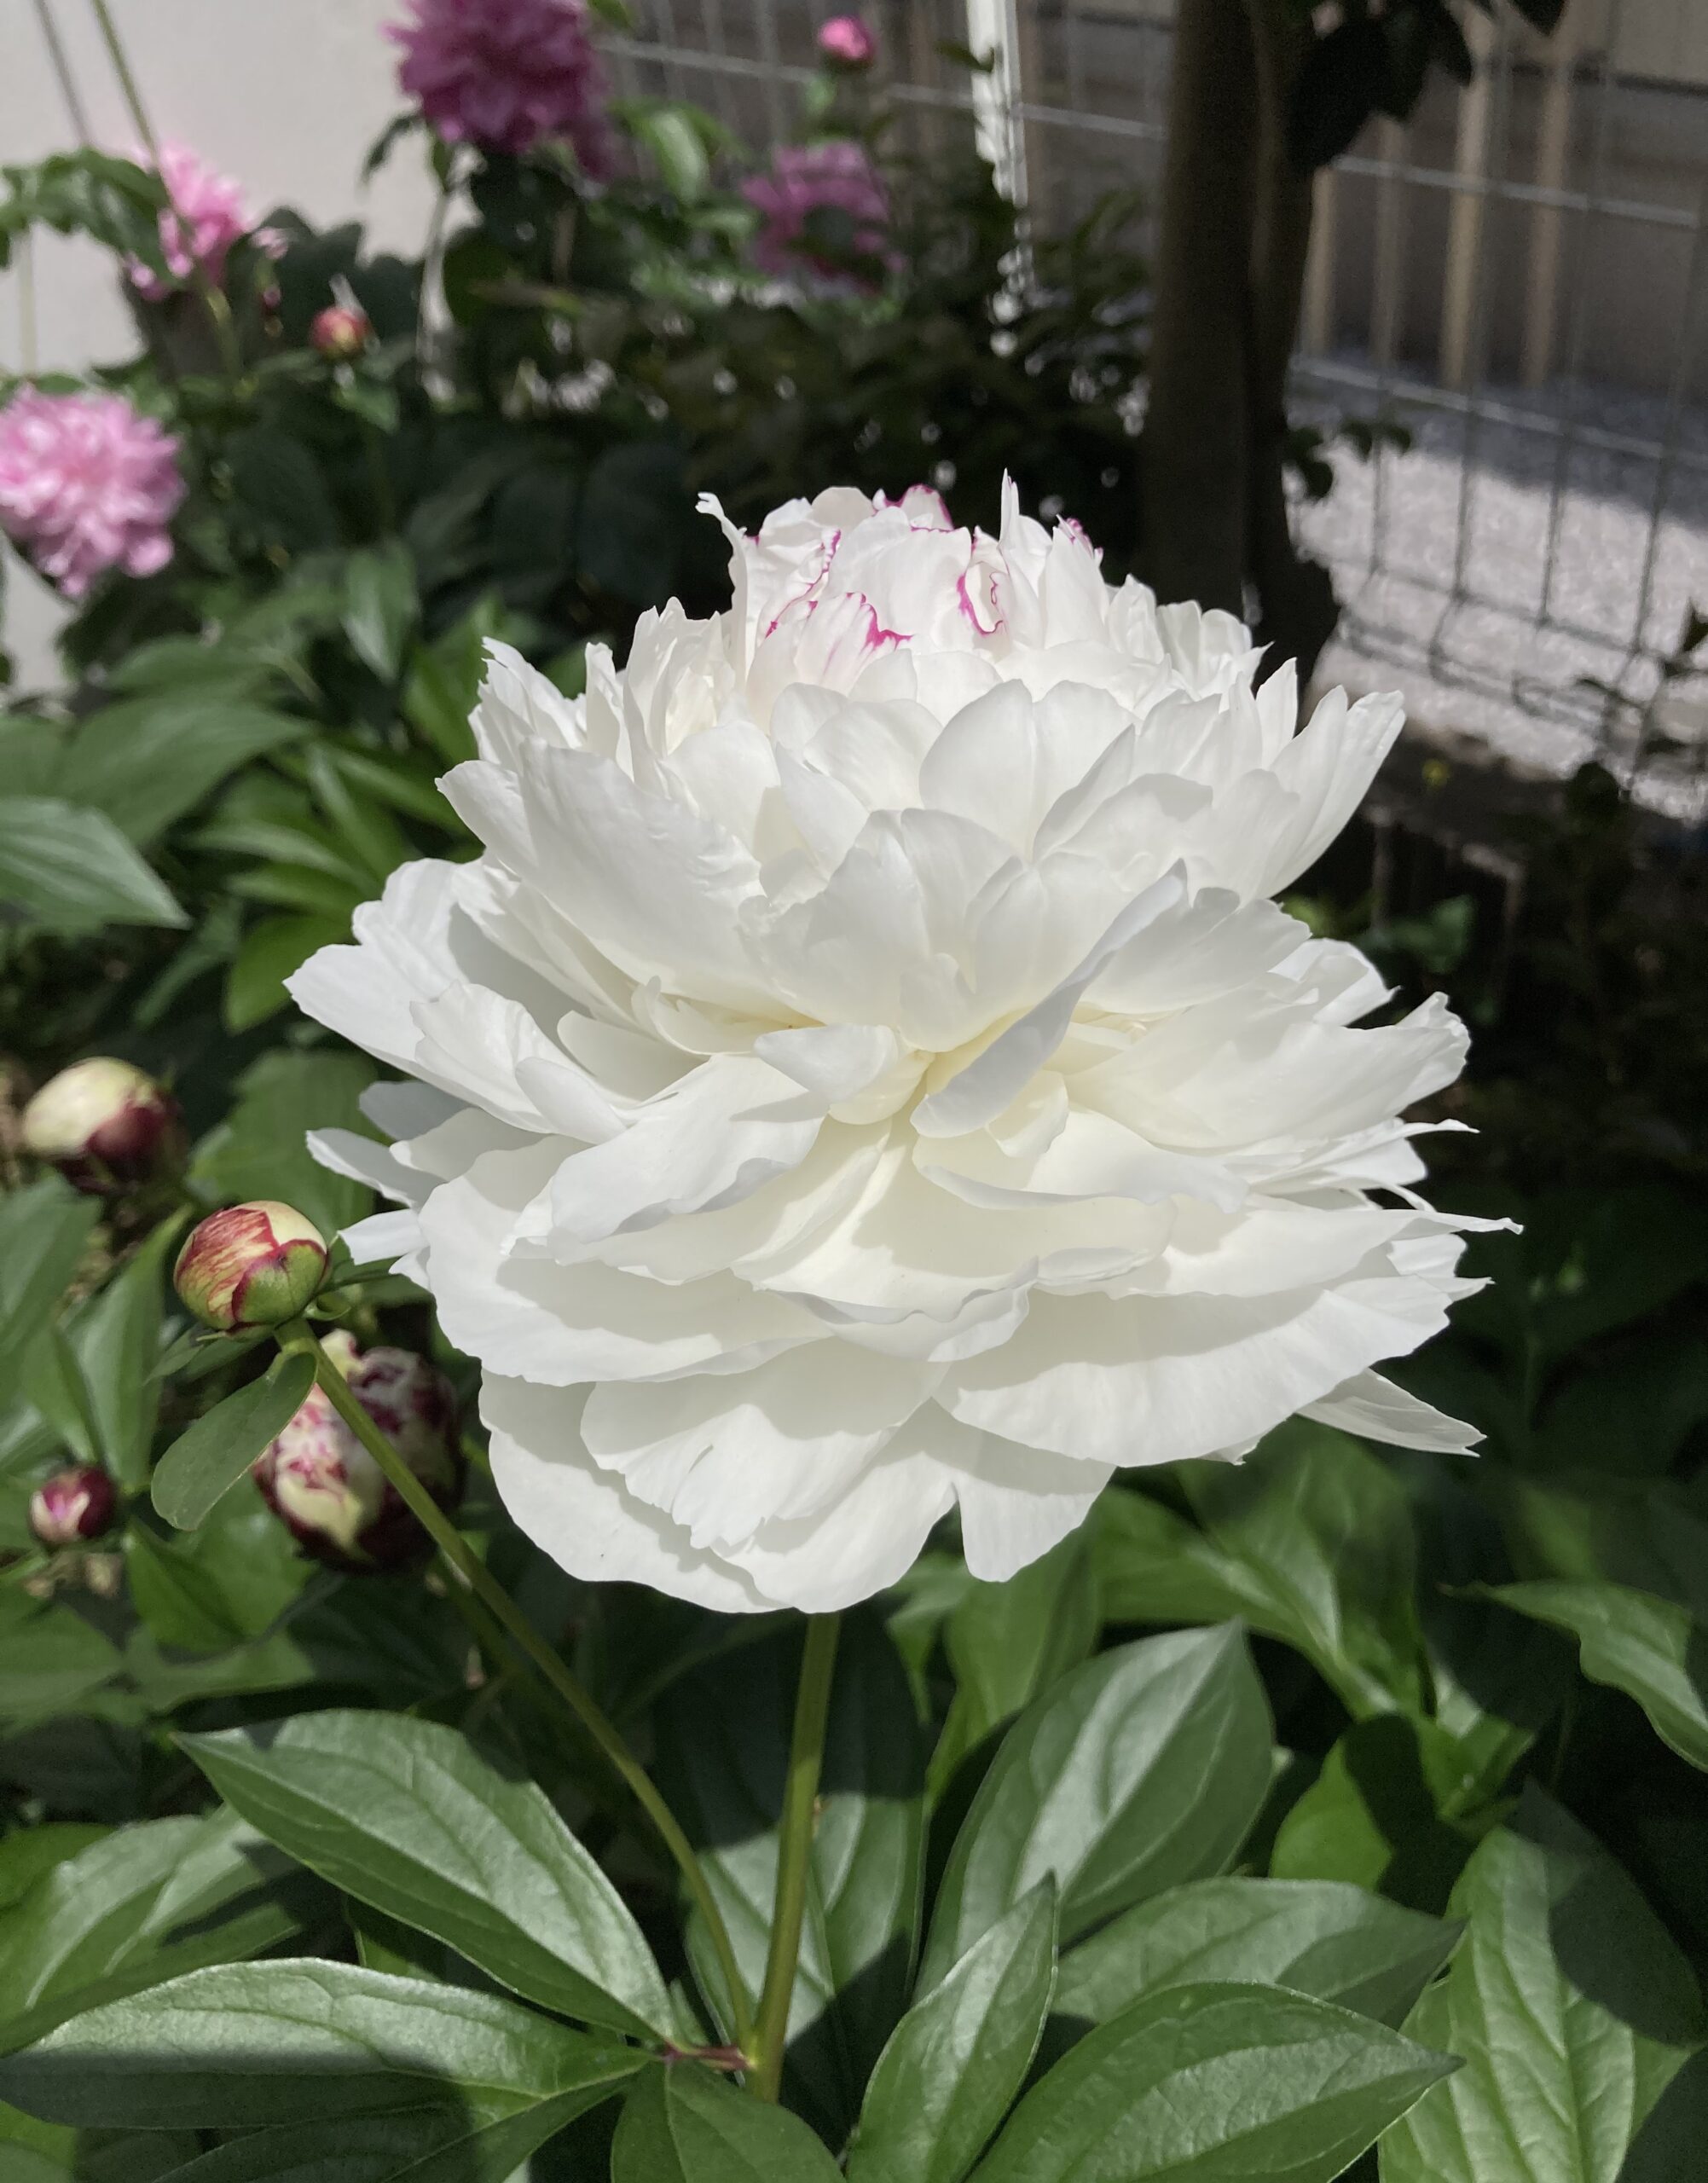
{"x":1448,"y":594}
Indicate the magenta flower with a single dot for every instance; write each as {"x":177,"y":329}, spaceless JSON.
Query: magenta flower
{"x":208,"y":215}
{"x":807,"y":178}
{"x":846,"y":40}
{"x":86,"y":485}
{"x":505,"y":73}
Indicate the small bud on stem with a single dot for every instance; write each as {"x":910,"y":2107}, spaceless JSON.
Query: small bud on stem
{"x":253,"y":1265}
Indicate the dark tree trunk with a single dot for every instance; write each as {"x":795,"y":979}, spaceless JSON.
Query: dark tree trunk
{"x":1194,"y":472}
{"x":1296,"y":598}
{"x":1233,"y":232}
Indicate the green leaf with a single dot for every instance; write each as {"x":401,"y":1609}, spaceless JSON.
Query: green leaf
{"x":407,"y":1817}
{"x":379,"y":606}
{"x":220,"y":1586}
{"x":56,"y":1661}
{"x":26,"y":1855}
{"x":1144,"y":1767}
{"x":70,"y":869}
{"x":43,"y":1229}
{"x":1653,"y":1649}
{"x":283,"y":488}
{"x":680,"y":2125}
{"x":260,"y":1150}
{"x":429,"y":2144}
{"x":207,"y":1460}
{"x":1378,"y":1814}
{"x":957,"y":2058}
{"x":115,"y":1338}
{"x":1216,"y":2084}
{"x":669,"y":133}
{"x":146,"y":761}
{"x":726,"y":1765}
{"x":243,"y":2045}
{"x":140,"y":1906}
{"x":1575,"y":2014}
{"x":1337,"y":1942}
{"x":1309,"y":1541}
{"x":272,"y":951}
{"x":1007,"y":1642}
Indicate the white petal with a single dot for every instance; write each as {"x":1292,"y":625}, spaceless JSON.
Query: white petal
{"x":582,"y":1516}
{"x":1377,"y":1410}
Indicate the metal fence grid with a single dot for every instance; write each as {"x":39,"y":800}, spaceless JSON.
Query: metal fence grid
{"x":1524,"y":571}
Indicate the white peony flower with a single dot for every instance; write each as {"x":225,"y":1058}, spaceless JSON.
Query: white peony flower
{"x":865,"y":1075}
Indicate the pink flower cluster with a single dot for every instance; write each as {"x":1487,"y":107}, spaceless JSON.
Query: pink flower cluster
{"x":207,"y":216}
{"x":505,"y":73}
{"x":807,"y":178}
{"x":847,"y":42}
{"x":86,"y":485}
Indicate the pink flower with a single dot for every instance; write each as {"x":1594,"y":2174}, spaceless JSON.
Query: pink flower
{"x":837,"y":176}
{"x":86,"y":485}
{"x":846,"y":40}
{"x":208,"y":215}
{"x":505,"y":73}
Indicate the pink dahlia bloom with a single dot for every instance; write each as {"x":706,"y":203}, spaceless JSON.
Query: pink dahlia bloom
{"x":208,"y":215}
{"x":807,"y":178}
{"x":505,"y":73}
{"x":846,"y":40}
{"x":86,"y":485}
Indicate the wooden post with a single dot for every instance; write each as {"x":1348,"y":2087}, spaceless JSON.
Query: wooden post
{"x":1467,"y":218}
{"x":1547,"y":222}
{"x":1393,"y":223}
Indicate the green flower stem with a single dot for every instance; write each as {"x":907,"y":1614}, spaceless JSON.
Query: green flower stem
{"x":467,"y":1566}
{"x":214,"y":301}
{"x":795,"y":1848}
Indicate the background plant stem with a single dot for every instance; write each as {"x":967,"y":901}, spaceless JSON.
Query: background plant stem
{"x":794,"y":1848}
{"x":214,"y":301}
{"x":467,"y":1566}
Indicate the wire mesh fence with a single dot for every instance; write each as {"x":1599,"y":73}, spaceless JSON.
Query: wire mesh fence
{"x":1518,"y":276}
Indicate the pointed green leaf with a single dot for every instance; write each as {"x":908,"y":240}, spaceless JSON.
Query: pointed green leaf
{"x":115,"y":1341}
{"x":1215,"y":2084}
{"x":208,"y":1460}
{"x":43,"y":1230}
{"x":1653,"y":1649}
{"x":1574,"y":2013}
{"x":247,"y":2045}
{"x":1144,"y":1767}
{"x":409,"y":1817}
{"x":138,"y":1907}
{"x":70,"y":869}
{"x":443,"y":2143}
{"x":681,"y":2125}
{"x":943,"y":2083}
{"x":1340,"y":1943}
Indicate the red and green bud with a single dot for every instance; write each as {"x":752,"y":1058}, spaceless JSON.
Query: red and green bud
{"x":253,"y":1265}
{"x":73,"y":1506}
{"x":340,"y":332}
{"x":101,"y":1122}
{"x":324,"y":1485}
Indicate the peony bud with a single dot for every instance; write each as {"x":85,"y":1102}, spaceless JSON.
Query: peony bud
{"x":100,"y":1121}
{"x":254,"y":1265}
{"x":340,"y":332}
{"x":324,"y":1485}
{"x":72,"y":1506}
{"x":846,"y":41}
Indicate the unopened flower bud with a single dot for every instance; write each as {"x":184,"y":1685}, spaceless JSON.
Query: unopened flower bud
{"x":324,"y":1485}
{"x":72,"y":1506}
{"x":846,"y":40}
{"x":100,"y":1121}
{"x":340,"y":332}
{"x":253,"y":1265}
